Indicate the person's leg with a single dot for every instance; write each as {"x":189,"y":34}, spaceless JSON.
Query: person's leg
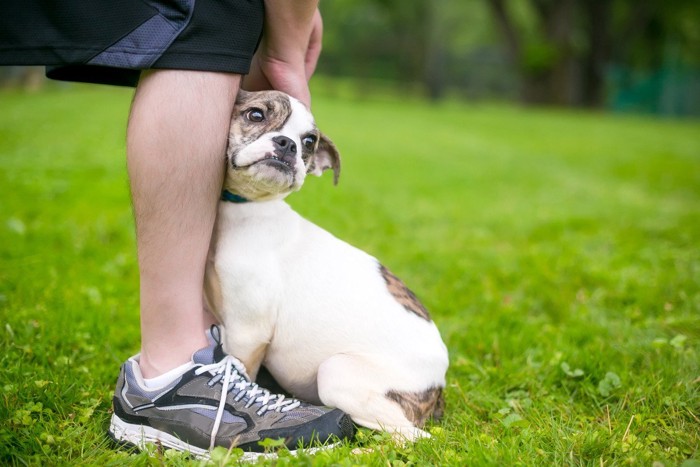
{"x":176,"y":140}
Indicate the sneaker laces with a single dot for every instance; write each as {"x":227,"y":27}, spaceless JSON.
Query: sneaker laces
{"x":229,"y":369}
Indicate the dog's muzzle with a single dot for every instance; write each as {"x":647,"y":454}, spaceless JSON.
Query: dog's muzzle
{"x":285,"y":150}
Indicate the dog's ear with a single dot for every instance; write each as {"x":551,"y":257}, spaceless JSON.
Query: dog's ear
{"x":326,"y":157}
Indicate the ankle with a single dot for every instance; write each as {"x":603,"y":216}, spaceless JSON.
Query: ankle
{"x":154,"y":368}
{"x":167,"y":377}
{"x":162,"y":352}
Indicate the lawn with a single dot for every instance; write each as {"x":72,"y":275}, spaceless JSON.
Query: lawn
{"x":558,"y":252}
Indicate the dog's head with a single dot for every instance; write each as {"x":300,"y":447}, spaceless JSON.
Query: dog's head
{"x":273,"y":143}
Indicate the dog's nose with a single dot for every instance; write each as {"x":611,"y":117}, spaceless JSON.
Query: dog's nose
{"x":284,"y":145}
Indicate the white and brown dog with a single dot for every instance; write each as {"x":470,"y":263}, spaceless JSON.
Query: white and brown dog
{"x":330,"y":323}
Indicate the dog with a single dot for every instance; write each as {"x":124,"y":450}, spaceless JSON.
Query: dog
{"x":331,"y":324}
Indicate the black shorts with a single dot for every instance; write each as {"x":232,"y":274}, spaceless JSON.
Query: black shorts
{"x":111,"y":41}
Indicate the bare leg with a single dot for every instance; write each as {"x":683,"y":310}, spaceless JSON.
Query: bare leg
{"x":176,"y":139}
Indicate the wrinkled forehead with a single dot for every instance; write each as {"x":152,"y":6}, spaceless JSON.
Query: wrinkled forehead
{"x":282,"y":112}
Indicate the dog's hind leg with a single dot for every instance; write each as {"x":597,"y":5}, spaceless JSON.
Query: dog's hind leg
{"x":355,"y":384}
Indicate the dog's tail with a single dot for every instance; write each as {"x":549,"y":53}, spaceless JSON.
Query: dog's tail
{"x":439,"y":408}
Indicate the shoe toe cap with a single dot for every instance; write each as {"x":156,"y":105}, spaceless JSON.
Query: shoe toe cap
{"x":330,"y":427}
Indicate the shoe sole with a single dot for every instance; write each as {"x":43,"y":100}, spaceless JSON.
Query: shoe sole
{"x":140,"y":436}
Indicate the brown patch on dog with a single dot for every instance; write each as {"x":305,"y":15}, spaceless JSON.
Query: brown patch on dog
{"x":420,"y":406}
{"x":403,"y":294}
{"x":307,"y":153}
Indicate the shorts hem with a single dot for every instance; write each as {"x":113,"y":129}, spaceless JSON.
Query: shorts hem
{"x":229,"y":63}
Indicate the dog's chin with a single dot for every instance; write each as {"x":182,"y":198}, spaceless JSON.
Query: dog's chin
{"x":272,"y":172}
{"x":264,"y":180}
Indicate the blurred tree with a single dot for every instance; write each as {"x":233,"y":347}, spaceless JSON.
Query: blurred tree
{"x":639,"y":55}
{"x":545,"y":55}
{"x":563,"y":49}
{"x":412,"y":42}
{"x":408,"y":42}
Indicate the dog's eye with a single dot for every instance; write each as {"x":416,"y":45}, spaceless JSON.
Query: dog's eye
{"x":255,"y":115}
{"x":309,"y":141}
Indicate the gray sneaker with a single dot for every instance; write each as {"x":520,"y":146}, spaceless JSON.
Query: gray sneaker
{"x":214,"y":403}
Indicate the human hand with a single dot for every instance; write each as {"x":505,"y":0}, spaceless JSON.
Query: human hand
{"x":287,"y":56}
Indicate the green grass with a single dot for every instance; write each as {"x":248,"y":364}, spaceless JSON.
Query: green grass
{"x":559,"y":253}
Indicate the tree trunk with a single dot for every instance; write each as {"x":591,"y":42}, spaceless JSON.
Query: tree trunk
{"x":508,"y":29}
{"x":434,"y":60}
{"x":556,"y":20}
{"x":542,"y":83}
{"x":598,"y":30}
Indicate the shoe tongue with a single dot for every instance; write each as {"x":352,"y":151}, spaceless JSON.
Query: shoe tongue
{"x":208,"y":355}
{"x":205,"y":356}
{"x":214,"y":352}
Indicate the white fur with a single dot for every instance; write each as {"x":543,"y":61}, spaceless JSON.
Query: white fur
{"x":316,"y":311}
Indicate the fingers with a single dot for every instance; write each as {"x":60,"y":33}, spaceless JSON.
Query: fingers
{"x":255,"y":80}
{"x":287,"y":56}
{"x":313,"y":50}
{"x":289,"y":78}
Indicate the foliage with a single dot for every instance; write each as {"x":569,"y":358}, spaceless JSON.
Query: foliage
{"x":411,"y":42}
{"x":563,"y":49}
{"x":563,"y":52}
{"x":557,"y":252}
